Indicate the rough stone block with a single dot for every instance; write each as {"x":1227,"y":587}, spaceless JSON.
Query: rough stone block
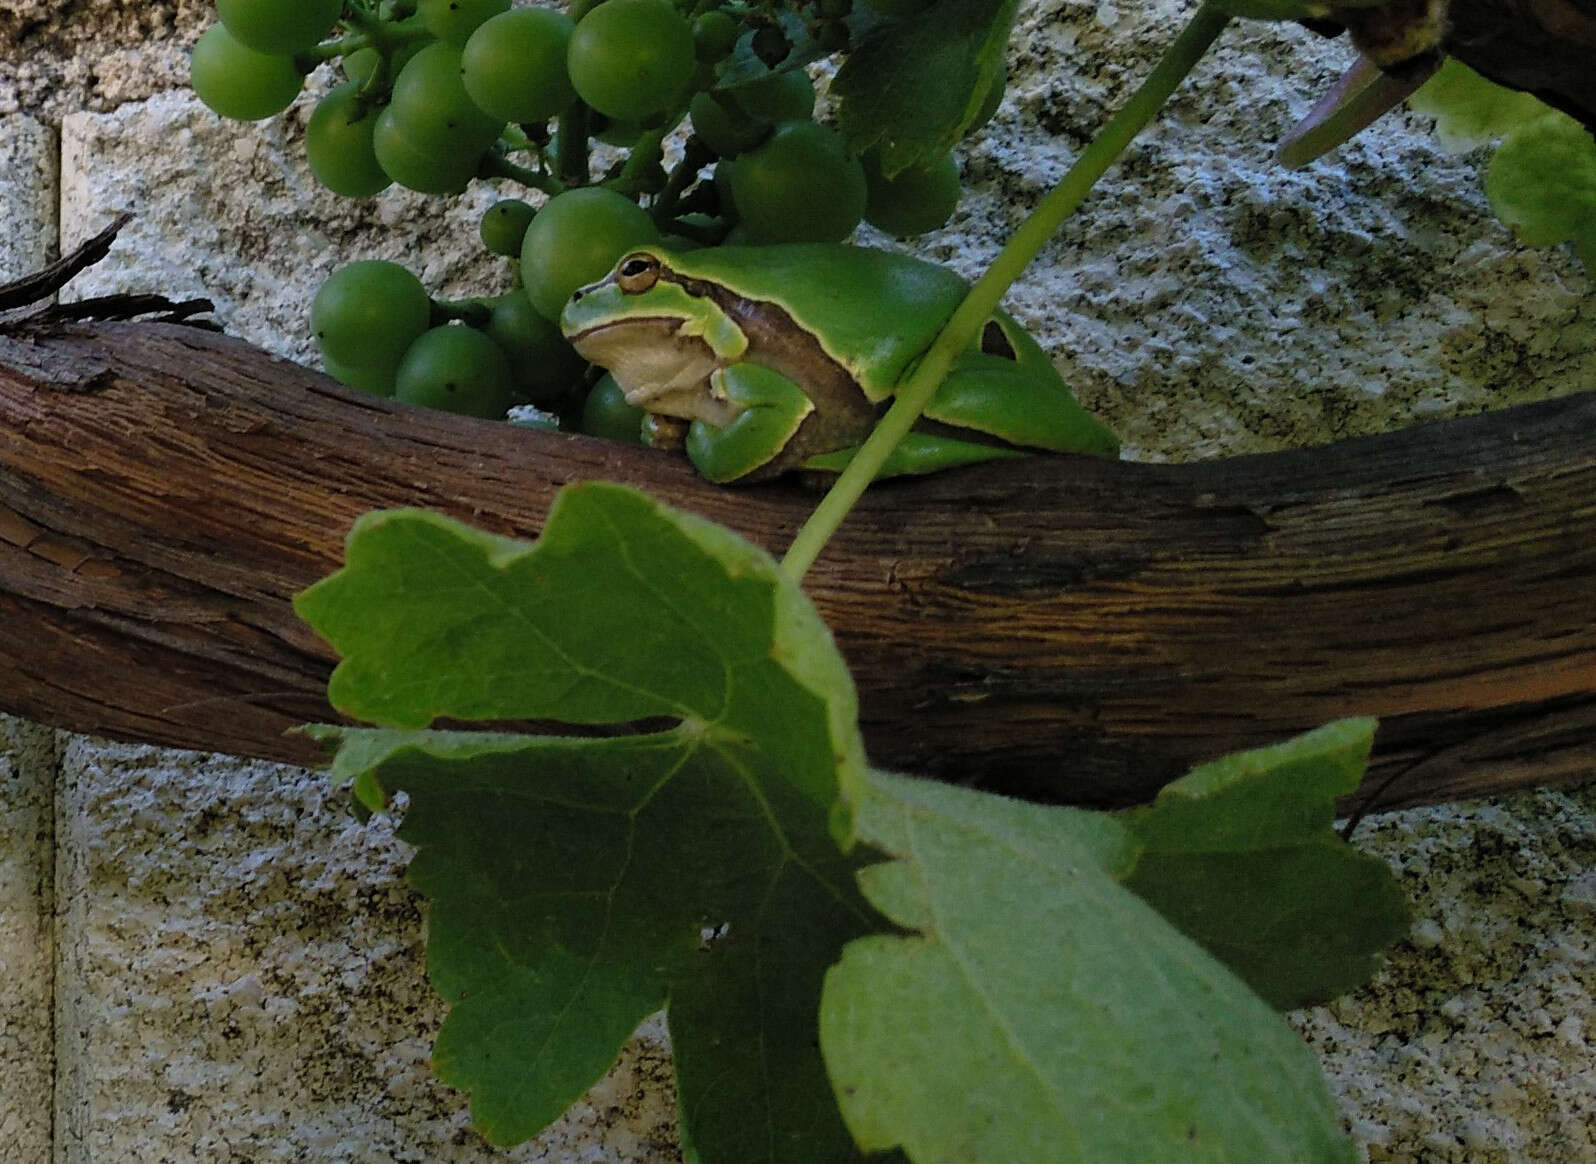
{"x":228,"y":211}
{"x":1473,"y":1044}
{"x":27,"y":953}
{"x":1207,"y":302}
{"x":27,"y":768}
{"x":27,"y":196}
{"x":242,"y":979}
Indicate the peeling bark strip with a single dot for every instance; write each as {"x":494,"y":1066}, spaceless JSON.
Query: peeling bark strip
{"x":1063,"y":627}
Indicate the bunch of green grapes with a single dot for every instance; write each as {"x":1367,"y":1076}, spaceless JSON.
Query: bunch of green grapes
{"x":437,"y":94}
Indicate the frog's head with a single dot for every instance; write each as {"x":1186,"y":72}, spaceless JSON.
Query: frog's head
{"x":660,"y":335}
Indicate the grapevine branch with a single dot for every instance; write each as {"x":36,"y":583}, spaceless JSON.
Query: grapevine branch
{"x":1069,"y":628}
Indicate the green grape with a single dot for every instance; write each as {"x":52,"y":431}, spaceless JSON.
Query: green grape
{"x":238,"y":82}
{"x":432,"y":137}
{"x":432,"y":104}
{"x":631,"y":59}
{"x":788,"y":96}
{"x":575,"y":239}
{"x":514,"y":65}
{"x":453,"y":21}
{"x":726,"y":131}
{"x":360,"y":64}
{"x":379,"y":381}
{"x":714,"y":35}
{"x":367,"y":314}
{"x":279,"y":26}
{"x":503,"y":226}
{"x":455,"y":368}
{"x":544,"y":367}
{"x":606,"y":414}
{"x":912,"y":201}
{"x":338,"y":144}
{"x":414,"y":163}
{"x":800,"y":186}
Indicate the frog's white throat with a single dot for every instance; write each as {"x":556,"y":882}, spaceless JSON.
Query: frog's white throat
{"x":659,"y":368}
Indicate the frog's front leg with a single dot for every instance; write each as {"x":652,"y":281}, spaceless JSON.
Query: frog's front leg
{"x":773,"y":408}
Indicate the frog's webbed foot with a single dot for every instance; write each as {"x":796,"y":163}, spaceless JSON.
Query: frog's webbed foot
{"x":665,"y":432}
{"x":770,"y":408}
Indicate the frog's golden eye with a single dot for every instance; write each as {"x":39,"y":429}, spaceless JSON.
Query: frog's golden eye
{"x":637,"y":273}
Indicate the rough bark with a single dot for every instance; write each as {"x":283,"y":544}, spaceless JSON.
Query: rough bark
{"x":1069,"y":628}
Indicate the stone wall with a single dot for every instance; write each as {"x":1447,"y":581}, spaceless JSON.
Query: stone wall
{"x":204,"y":958}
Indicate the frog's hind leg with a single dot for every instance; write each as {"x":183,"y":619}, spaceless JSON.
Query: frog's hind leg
{"x":919,"y":452}
{"x":773,"y":408}
{"x":993,"y":395}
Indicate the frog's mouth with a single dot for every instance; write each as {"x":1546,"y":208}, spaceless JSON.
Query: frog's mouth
{"x":658,"y":368}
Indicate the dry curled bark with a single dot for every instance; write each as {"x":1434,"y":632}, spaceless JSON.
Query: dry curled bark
{"x":1069,"y":628}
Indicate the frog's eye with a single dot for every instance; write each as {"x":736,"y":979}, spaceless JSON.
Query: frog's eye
{"x":637,"y":273}
{"x":995,"y":341}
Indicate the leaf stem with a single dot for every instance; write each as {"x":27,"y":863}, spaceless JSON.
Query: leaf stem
{"x":915,"y":392}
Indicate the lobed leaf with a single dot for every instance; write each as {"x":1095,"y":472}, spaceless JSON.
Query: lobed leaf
{"x":1241,"y":856}
{"x":912,"y":88}
{"x":1470,"y":111}
{"x":576,"y":885}
{"x":1542,"y":178}
{"x":1034,"y":1009}
{"x":1042,"y":1011}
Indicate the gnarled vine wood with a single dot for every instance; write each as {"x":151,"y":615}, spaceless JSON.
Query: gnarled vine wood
{"x":1068,"y":628}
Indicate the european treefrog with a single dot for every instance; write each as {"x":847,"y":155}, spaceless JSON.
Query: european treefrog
{"x":766,"y":359}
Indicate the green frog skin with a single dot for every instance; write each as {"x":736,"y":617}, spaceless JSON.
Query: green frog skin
{"x":783,"y":357}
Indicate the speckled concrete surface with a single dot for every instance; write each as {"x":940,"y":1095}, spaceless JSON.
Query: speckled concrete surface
{"x":27,"y":947}
{"x":1475,"y":1044}
{"x":240,"y":972}
{"x":27,"y":751}
{"x":1206,"y":301}
{"x":242,"y":979}
{"x":29,"y":162}
{"x":228,"y":211}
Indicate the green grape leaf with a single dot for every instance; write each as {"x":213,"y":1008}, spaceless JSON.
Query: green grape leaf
{"x":578,"y":884}
{"x":742,"y":65}
{"x":1470,"y":111}
{"x":1542,"y":183}
{"x":911,"y":88}
{"x":1044,"y":1012}
{"x":1542,"y":179}
{"x":1241,"y":856}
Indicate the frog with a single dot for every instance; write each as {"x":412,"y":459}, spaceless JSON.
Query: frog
{"x":760,"y":360}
